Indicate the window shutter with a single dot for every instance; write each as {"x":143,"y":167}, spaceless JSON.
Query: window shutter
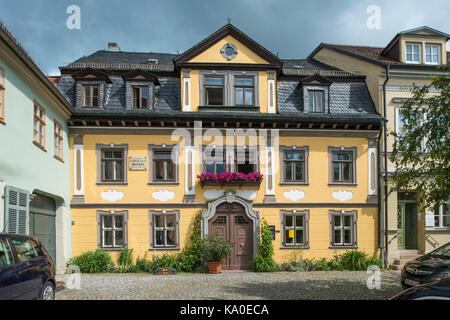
{"x":17,"y":211}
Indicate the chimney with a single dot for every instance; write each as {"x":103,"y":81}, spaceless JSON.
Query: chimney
{"x":112,"y":46}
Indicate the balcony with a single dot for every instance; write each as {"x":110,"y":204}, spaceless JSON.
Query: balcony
{"x":236,"y":179}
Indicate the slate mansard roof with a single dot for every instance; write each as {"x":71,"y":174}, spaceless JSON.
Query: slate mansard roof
{"x":349,"y":95}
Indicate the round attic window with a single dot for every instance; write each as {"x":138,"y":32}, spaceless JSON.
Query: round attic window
{"x":229,"y":51}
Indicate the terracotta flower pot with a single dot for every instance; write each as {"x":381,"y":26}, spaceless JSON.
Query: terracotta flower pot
{"x":215,"y":267}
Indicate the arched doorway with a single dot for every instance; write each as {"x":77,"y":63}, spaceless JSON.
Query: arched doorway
{"x":233,"y":219}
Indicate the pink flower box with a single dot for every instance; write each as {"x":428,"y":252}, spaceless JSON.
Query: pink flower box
{"x":230,"y":178}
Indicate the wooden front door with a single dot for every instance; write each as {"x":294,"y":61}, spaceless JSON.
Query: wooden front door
{"x":230,"y":223}
{"x":407,"y":221}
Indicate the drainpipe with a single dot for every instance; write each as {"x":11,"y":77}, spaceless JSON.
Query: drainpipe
{"x":385,"y":168}
{"x":380,"y":216}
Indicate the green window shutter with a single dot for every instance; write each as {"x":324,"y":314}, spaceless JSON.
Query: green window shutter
{"x":17,"y":211}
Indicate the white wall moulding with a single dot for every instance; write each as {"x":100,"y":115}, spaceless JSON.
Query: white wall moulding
{"x":163,"y":195}
{"x":112,"y":195}
{"x":294,"y":194}
{"x":342,"y":195}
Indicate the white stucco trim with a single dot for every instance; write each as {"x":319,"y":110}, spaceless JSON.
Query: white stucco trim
{"x":186,"y":84}
{"x":271,"y":106}
{"x":78,"y":148}
{"x":270,"y":171}
{"x":372,"y":152}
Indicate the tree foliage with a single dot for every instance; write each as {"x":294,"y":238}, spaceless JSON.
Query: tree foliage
{"x":421,"y":152}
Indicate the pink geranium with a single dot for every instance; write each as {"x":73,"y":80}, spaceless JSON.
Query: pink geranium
{"x":231,"y":177}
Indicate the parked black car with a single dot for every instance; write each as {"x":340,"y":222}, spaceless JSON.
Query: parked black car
{"x":26,"y":269}
{"x":431,"y":267}
{"x":439,"y":290}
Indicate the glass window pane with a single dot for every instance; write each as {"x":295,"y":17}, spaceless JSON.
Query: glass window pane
{"x":107,"y":221}
{"x":159,"y":221}
{"x":299,"y":221}
{"x":337,"y":236}
{"x":311,"y":101}
{"x":118,"y":238}
{"x":170,"y":237}
{"x":299,"y":171}
{"x":248,"y":82}
{"x":107,"y":154}
{"x":292,"y":155}
{"x":159,"y":237}
{"x":248,"y":96}
{"x":118,"y":222}
{"x":117,"y":154}
{"x":170,"y":221}
{"x":169,"y":167}
{"x":220,"y":167}
{"x":347,"y":236}
{"x":214,"y":81}
{"x":136,"y":93}
{"x":26,"y":249}
{"x":6,"y":257}
{"x":107,"y":238}
{"x":288,"y":239}
{"x":162,"y":155}
{"x":337,"y":221}
{"x":159,"y":170}
{"x":214,"y":96}
{"x":239,"y":96}
{"x":239,"y":81}
{"x":289,"y":221}
{"x":319,"y":102}
{"x":119,"y":173}
{"x":288,"y":171}
{"x":336,"y":172}
{"x":108,"y":170}
{"x":299,"y":237}
{"x":210,"y":168}
{"x":348,"y":221}
{"x":346,"y":171}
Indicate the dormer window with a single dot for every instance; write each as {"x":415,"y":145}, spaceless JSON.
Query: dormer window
{"x":140,"y":96}
{"x":412,"y":53}
{"x":316,"y":100}
{"x":432,"y":54}
{"x":90,"y":96}
{"x":214,"y":91}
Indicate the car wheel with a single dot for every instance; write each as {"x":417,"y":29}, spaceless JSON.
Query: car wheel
{"x":48,"y":293}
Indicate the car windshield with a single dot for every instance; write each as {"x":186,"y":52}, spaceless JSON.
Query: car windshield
{"x":442,"y":251}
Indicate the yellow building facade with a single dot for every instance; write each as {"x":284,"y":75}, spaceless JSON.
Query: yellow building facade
{"x":232,"y":133}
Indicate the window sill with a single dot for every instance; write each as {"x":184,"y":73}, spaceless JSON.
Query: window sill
{"x":163,"y":183}
{"x":58,"y":158}
{"x":39,"y":145}
{"x":295,"y":248}
{"x":230,"y":184}
{"x":111,"y":249}
{"x":164,"y":249}
{"x":112,"y":183}
{"x":343,"y":247}
{"x":291,"y":184}
{"x":228,"y":108}
{"x":341,"y":184}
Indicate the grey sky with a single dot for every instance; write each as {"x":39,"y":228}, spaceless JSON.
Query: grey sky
{"x":291,"y":28}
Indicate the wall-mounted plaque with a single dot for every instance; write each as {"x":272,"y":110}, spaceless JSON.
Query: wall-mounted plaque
{"x":137,"y":163}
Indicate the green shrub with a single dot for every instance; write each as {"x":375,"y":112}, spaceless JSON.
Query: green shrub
{"x":354,"y":260}
{"x":213,"y":249}
{"x":97,"y":261}
{"x":125,"y":257}
{"x":322,"y":265}
{"x":374,"y":261}
{"x":264,"y":260}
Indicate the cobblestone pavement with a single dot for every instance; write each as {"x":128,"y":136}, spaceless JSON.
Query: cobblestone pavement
{"x":233,"y":286}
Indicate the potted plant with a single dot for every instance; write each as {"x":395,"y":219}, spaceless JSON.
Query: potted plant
{"x":213,"y":251}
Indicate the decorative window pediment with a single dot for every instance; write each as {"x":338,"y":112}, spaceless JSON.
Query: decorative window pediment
{"x":316,"y":80}
{"x":140,"y":75}
{"x":90,"y":74}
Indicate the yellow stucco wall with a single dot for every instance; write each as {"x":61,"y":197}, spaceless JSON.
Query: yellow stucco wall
{"x":213,"y":55}
{"x":138,"y":191}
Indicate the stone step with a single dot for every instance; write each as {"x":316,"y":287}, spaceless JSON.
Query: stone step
{"x":409,"y":257}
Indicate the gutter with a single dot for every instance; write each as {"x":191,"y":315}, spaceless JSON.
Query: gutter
{"x":385,"y":169}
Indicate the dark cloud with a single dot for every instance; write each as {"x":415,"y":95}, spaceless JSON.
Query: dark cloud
{"x":291,"y":28}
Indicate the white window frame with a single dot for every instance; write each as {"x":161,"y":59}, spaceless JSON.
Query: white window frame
{"x":398,"y":127}
{"x":113,"y":229}
{"x":441,"y":217}
{"x":413,"y":45}
{"x":431,"y":55}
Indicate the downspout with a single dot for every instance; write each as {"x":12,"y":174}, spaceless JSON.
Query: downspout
{"x":386,"y":245}
{"x":380,"y":216}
